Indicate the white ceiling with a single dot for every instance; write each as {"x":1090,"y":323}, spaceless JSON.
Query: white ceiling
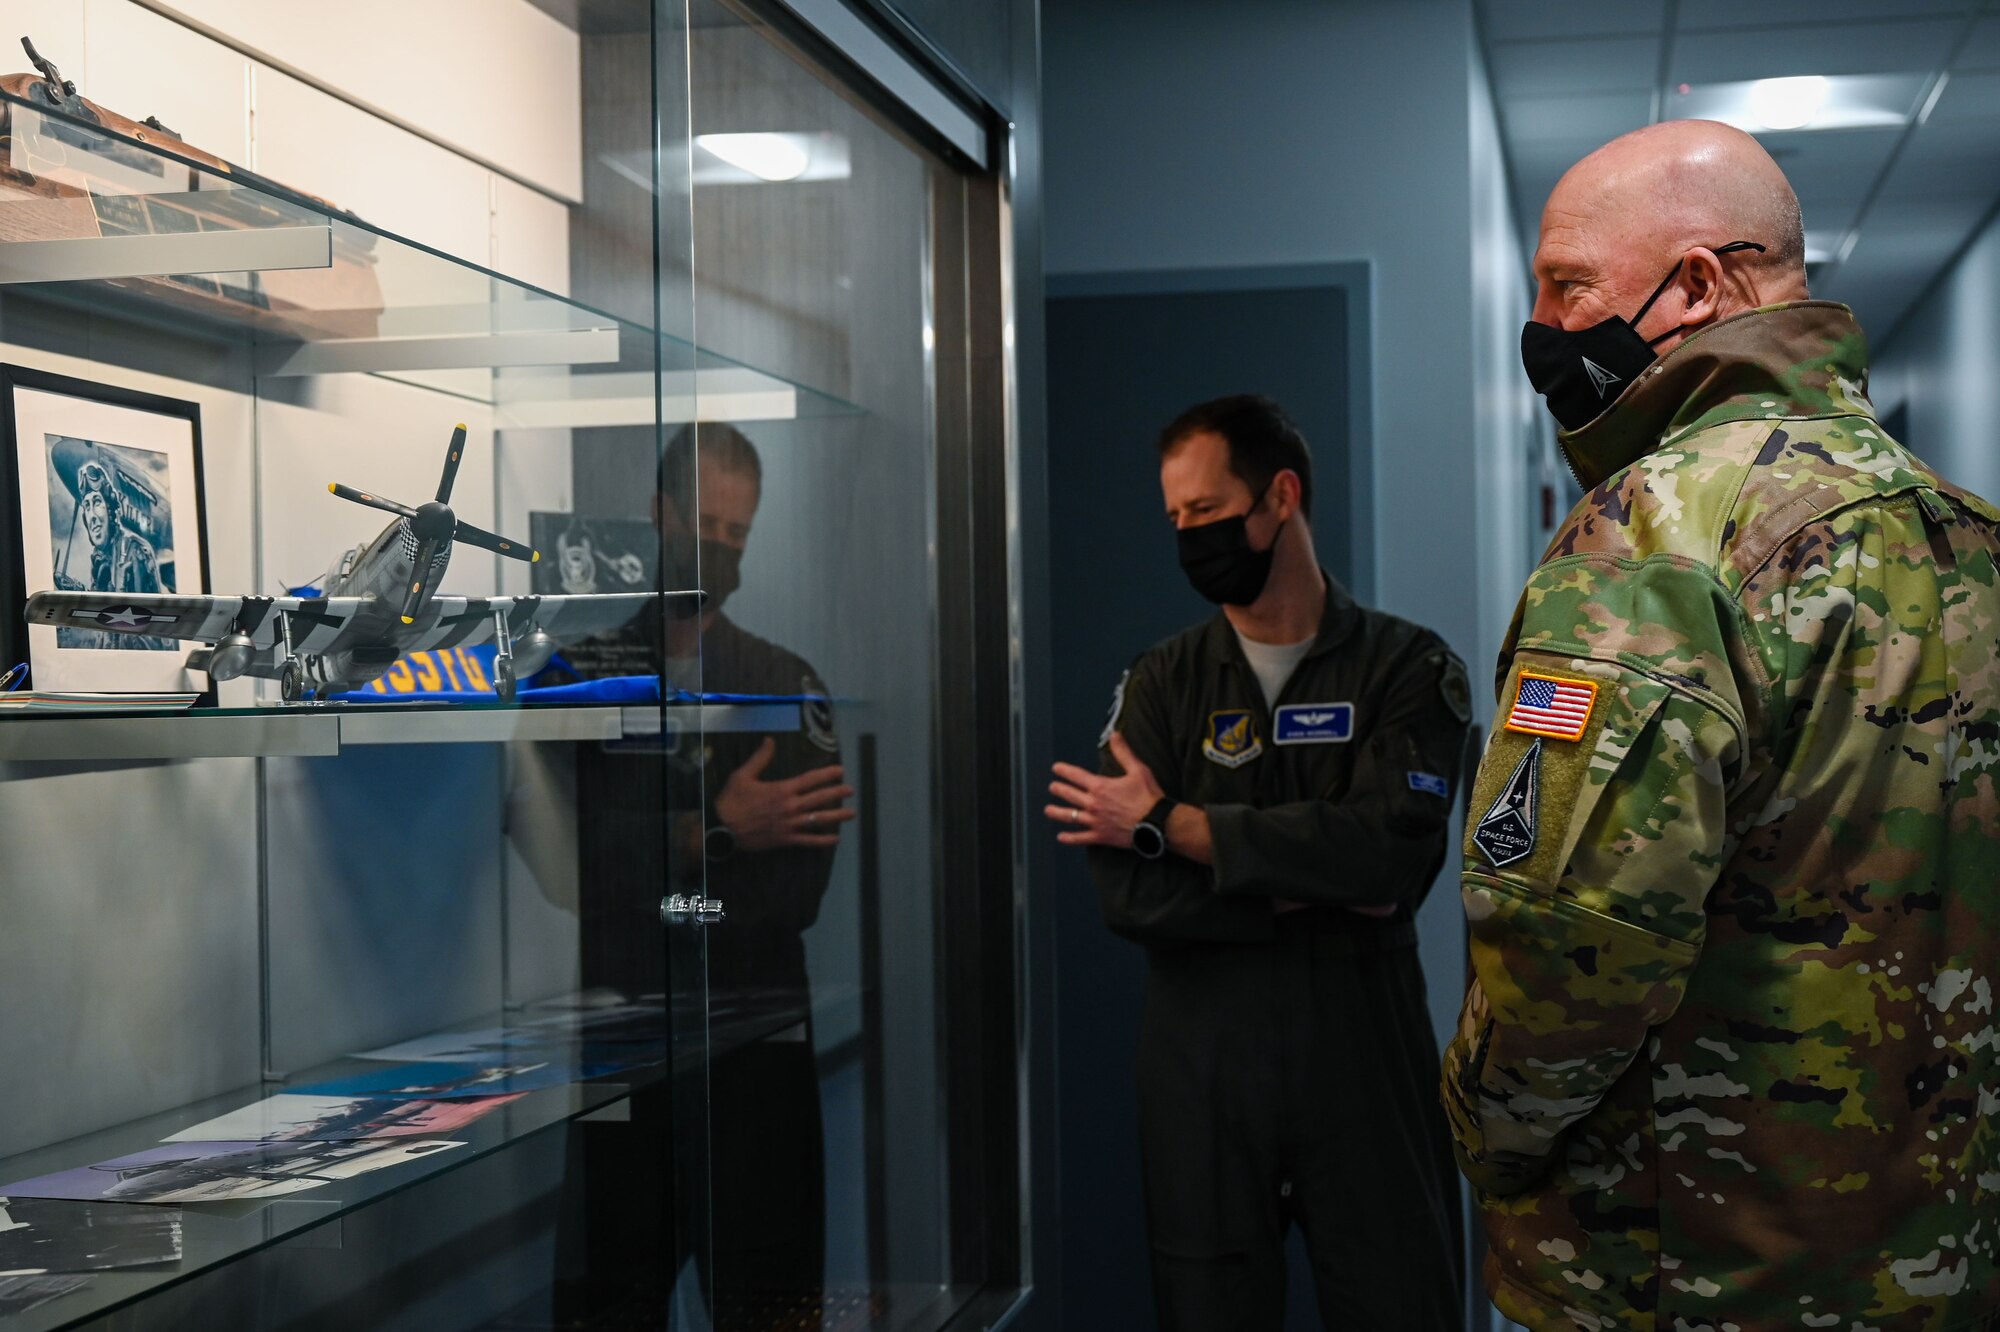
{"x":1898,"y":203}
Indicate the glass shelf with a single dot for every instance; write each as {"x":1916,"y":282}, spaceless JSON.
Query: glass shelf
{"x":140,"y":229}
{"x":323,"y":731}
{"x":218,"y":1233}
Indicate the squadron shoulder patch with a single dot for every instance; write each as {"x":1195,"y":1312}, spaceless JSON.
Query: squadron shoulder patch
{"x":816,"y":716}
{"x":1552,"y":705}
{"x":1117,"y":711}
{"x":1456,"y":689}
{"x":1232,"y":739}
{"x":1506,"y":833}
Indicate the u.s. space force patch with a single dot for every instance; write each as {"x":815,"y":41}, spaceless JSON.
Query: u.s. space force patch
{"x":1506,"y":833}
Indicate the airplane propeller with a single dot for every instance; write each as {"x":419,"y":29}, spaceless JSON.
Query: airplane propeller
{"x":436,"y":527}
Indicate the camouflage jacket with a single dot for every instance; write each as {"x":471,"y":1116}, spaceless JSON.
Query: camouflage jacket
{"x":1732,"y":870}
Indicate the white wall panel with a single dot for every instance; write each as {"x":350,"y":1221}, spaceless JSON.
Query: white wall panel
{"x":497,"y":78}
{"x":318,"y":143}
{"x":530,"y":236}
{"x":57,"y":29}
{"x":144,"y":65}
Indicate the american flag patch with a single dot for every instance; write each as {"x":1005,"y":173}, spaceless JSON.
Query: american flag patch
{"x":1552,"y":706}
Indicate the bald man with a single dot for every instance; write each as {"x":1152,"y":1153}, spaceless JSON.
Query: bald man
{"x":1730,"y":1059}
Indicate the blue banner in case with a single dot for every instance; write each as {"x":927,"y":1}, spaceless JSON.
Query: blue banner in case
{"x":1315,"y":724}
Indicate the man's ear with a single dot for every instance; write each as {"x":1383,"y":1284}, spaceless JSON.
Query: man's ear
{"x":1701,"y":278}
{"x":1288,"y":488}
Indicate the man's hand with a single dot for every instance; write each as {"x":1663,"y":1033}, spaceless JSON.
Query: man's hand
{"x":806,"y":810}
{"x":1103,"y":811}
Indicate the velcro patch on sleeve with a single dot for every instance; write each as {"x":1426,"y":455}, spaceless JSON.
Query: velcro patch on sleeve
{"x":1555,"y":706}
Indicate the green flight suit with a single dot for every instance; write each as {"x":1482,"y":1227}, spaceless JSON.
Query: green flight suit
{"x":1285,"y":1058}
{"x":1730,"y":1057}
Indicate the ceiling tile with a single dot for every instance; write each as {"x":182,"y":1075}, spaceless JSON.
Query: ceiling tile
{"x":1603,"y":116}
{"x":1948,"y":159}
{"x":1613,"y":64}
{"x":1518,"y":20}
{"x":1832,"y":164}
{"x":1902,"y":232}
{"x":1853,"y":48}
{"x":1969,"y":98}
{"x":1696,"y":15}
{"x":1982,"y":49}
{"x":1832,"y":214}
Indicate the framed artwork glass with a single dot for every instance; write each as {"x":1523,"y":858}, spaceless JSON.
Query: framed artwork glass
{"x":107,"y":489}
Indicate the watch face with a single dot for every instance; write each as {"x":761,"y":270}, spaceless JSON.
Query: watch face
{"x":1149,"y":841}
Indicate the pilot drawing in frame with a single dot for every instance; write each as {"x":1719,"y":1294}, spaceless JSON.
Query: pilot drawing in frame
{"x":760,"y":817}
{"x":103,"y":535}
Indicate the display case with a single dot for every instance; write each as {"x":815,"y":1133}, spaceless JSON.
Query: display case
{"x":616,"y":938}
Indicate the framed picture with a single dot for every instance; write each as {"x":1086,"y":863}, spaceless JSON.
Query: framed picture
{"x":107,"y":497}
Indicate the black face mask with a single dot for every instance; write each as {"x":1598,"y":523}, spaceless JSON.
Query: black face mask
{"x":1582,"y":371}
{"x":719,"y":566}
{"x":1218,"y":560}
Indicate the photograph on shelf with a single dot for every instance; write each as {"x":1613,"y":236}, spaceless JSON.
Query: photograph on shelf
{"x":20,"y":1294}
{"x":44,"y":1235}
{"x":108,"y":499}
{"x":224,"y":1171}
{"x":453,"y":1081}
{"x":289,"y":1117}
{"x":598,"y":555}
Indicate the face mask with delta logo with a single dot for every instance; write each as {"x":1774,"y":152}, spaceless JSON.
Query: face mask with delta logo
{"x":1582,"y":371}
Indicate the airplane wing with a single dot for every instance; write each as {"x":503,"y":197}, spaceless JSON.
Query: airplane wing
{"x":448,"y":622}
{"x":317,"y":622}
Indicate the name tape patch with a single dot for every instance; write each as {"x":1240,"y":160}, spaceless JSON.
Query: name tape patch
{"x":1314,"y":724}
{"x":1552,"y":705}
{"x":1430,"y":783}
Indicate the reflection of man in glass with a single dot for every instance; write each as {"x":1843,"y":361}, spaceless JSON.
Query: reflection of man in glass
{"x":755,"y":820}
{"x":774,"y":807}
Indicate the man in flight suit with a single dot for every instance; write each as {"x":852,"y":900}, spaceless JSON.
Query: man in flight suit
{"x":1270,"y":808}
{"x":1733,"y":861}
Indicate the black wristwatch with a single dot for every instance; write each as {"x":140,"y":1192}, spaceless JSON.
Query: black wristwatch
{"x":718,"y":843}
{"x":1149,"y":839}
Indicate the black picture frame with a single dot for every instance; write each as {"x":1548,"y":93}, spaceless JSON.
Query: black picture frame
{"x":191,"y":572}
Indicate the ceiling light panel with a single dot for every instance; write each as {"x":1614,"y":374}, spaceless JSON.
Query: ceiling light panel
{"x":1802,"y":103}
{"x":769,"y":158}
{"x":1813,"y":48}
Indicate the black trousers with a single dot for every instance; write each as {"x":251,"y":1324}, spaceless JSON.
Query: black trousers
{"x":1296,"y":1084}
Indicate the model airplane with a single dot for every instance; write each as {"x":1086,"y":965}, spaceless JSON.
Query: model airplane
{"x":378,"y":605}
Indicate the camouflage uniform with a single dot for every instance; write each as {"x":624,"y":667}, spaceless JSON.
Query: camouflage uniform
{"x":1729,"y":1057}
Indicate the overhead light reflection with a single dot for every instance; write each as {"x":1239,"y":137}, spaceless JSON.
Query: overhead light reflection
{"x":772,"y":157}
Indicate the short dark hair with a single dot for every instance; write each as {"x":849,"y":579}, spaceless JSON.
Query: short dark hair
{"x":1262,"y":440}
{"x":722,"y":444}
